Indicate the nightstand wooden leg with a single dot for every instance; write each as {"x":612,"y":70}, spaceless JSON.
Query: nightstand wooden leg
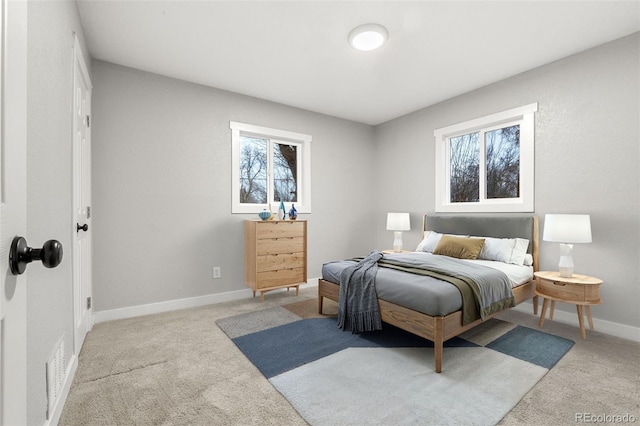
{"x":261,"y":296}
{"x":297,"y":290}
{"x":583,"y":333}
{"x":589,"y":317}
{"x":545,"y":302}
{"x":535,"y":305}
{"x":553,"y":307}
{"x":254,"y":293}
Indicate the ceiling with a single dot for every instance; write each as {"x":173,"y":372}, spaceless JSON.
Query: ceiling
{"x":296,"y":52}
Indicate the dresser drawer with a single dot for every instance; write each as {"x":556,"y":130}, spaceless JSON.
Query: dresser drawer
{"x":568,"y":291}
{"x":281,"y":229}
{"x":279,"y":245}
{"x":280,"y":277}
{"x":274,"y":262}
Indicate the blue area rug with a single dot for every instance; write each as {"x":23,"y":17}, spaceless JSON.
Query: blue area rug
{"x":333,"y":377}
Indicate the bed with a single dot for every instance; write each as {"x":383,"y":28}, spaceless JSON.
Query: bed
{"x":431,"y":310}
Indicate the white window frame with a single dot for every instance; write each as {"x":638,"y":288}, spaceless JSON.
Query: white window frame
{"x":303,"y":205}
{"x":523,"y":116}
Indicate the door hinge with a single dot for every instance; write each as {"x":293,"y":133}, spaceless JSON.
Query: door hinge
{"x":88,"y":121}
{"x":88,"y":303}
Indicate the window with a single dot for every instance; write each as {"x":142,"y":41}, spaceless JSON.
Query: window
{"x":269,"y":166}
{"x":486,"y":164}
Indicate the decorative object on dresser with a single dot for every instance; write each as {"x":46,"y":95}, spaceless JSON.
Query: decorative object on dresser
{"x":567,"y":229}
{"x":581,"y":290}
{"x":398,"y":222}
{"x":264,"y":214}
{"x":275,"y":255}
{"x":293,"y":213}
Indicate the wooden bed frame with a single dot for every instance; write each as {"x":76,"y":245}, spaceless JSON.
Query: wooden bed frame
{"x":437,"y":329}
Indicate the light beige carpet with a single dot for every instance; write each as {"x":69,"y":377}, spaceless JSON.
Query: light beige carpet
{"x":179,"y":368}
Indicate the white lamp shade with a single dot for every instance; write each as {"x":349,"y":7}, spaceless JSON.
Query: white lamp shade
{"x":398,"y":222}
{"x":567,"y":228}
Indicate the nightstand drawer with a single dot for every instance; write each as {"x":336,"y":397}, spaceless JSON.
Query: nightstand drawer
{"x":569,"y":291}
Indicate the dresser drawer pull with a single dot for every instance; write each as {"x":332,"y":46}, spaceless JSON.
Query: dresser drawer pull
{"x":559,"y":283}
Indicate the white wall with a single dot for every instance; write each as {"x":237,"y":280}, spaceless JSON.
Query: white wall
{"x":162,"y":187}
{"x":49,"y":121}
{"x":586,"y":161}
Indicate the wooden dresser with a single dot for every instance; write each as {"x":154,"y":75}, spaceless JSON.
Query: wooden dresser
{"x":275,"y":254}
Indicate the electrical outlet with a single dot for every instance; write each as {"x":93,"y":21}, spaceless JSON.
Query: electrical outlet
{"x":216,"y":272}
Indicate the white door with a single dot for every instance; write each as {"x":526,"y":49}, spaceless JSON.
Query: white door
{"x":13,"y":208}
{"x":82,"y":228}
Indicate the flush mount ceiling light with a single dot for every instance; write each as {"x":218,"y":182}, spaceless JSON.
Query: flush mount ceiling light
{"x":368,"y":36}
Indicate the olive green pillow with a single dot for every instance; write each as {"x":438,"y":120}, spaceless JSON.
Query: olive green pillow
{"x":460,"y":247}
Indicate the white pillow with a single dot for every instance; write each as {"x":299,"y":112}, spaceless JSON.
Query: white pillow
{"x":528,"y":260}
{"x":499,"y":249}
{"x":506,"y":250}
{"x":429,"y":242}
{"x":519,"y":251}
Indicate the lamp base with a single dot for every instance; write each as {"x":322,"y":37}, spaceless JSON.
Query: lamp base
{"x":566,"y":261}
{"x":397,"y":241}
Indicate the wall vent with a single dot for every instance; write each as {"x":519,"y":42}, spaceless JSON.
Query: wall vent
{"x":56,"y":369}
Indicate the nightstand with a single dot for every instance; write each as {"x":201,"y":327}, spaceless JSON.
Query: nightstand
{"x":581,"y":290}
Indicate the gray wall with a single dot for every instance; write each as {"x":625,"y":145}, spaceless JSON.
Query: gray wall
{"x":49,"y":121}
{"x":587,"y":161}
{"x":162,"y":187}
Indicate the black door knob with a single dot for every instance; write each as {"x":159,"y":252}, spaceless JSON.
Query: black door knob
{"x":84,"y":227}
{"x":20,"y":255}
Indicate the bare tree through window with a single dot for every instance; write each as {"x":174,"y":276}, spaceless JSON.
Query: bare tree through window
{"x":285,"y":172}
{"x":501,"y":165}
{"x":503,"y":162}
{"x":253,"y":170}
{"x":465,"y":170}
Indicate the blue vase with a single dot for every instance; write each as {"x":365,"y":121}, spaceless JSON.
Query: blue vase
{"x":293,"y":213}
{"x":264,"y":214}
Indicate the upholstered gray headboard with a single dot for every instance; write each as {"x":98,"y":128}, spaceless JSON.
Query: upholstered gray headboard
{"x":496,"y":225}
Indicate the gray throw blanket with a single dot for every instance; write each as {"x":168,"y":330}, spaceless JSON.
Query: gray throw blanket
{"x":358,"y":307}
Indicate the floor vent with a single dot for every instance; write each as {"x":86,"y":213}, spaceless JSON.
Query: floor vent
{"x":56,"y":368}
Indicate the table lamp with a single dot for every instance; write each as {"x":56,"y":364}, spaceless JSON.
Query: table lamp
{"x":567,"y":229}
{"x":398,"y":222}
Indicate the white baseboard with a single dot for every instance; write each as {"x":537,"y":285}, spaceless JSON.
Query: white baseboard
{"x":603,"y":326}
{"x":59,"y":405}
{"x":172,"y":305}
